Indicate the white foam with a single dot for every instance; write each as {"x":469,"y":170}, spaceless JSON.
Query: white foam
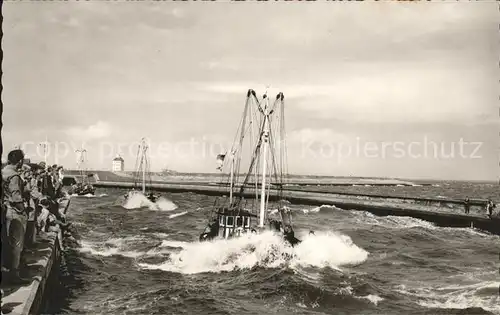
{"x":375,"y":299}
{"x":161,"y":235}
{"x":96,"y":250}
{"x":86,"y":195}
{"x":266,"y":249}
{"x":178,"y":244}
{"x":138,"y":200}
{"x":175,"y":215}
{"x":328,"y":249}
{"x":405,"y":222}
{"x":318,"y":209}
{"x":458,"y":296}
{"x":165,"y":204}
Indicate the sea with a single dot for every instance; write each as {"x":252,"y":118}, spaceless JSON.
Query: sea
{"x":136,"y":257}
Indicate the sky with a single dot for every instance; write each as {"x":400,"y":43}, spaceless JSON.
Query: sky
{"x":405,"y":90}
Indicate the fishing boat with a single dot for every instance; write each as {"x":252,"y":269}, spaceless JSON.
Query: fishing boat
{"x":263,"y":125}
{"x":142,"y":173}
{"x":82,"y":187}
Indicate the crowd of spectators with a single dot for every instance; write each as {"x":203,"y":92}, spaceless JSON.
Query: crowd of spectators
{"x":31,"y":199}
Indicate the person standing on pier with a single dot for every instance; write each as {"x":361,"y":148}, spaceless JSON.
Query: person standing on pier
{"x":489,"y":207}
{"x":29,"y":205}
{"x":467,"y":205}
{"x":15,"y":216}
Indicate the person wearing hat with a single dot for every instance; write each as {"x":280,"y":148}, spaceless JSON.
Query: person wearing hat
{"x":60,"y":173}
{"x":32,"y":197}
{"x":14,"y":216}
{"x":47,"y":188}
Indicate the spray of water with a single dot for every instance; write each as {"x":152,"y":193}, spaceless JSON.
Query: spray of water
{"x":138,"y":200}
{"x":265,"y":250}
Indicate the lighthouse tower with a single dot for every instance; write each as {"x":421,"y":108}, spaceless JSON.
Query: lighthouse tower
{"x":118,"y":164}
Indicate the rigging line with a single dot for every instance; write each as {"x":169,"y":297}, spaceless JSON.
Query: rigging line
{"x":249,"y":110}
{"x":285,"y":142}
{"x":281,"y":144}
{"x":234,"y":148}
{"x":270,"y":157}
{"x":242,"y":134}
{"x":273,"y":163}
{"x":239,"y":150}
{"x":253,"y":119}
{"x":240,"y":127}
{"x":148,"y":168}
{"x":256,"y":178}
{"x":272,"y":132}
{"x":252,"y":163}
{"x":135,"y":174}
{"x":273,"y":160}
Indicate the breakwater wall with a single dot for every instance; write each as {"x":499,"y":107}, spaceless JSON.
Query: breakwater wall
{"x":437,"y":211}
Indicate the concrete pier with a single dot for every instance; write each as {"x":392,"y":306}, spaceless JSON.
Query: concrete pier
{"x":43,"y":261}
{"x":437,"y":211}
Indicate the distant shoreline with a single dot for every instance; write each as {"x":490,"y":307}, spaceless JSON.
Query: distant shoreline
{"x":178,"y":175}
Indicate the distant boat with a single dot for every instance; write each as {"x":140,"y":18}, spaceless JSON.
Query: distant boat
{"x":264,"y":127}
{"x":142,"y":173}
{"x":82,"y":187}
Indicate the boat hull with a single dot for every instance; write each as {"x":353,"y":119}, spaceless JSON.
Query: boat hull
{"x":225,"y":235}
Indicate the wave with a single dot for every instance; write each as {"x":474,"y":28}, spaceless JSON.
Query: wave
{"x":396,"y":222}
{"x":265,"y":250}
{"x":375,"y":299}
{"x":482,"y":294}
{"x":175,"y":215}
{"x":111,"y":248}
{"x":131,"y":247}
{"x":138,"y":200}
{"x":320,"y":208}
{"x":88,"y":195}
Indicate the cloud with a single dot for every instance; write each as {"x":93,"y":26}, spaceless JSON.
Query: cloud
{"x":324,"y":135}
{"x":386,"y":93}
{"x":175,"y":71}
{"x":98,"y":130}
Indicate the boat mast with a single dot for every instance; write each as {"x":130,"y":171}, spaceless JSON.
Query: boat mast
{"x":231,"y":180}
{"x":265,"y":136}
{"x":144,"y":180}
{"x":45,"y":145}
{"x":143,"y":164}
{"x":81,"y":161}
